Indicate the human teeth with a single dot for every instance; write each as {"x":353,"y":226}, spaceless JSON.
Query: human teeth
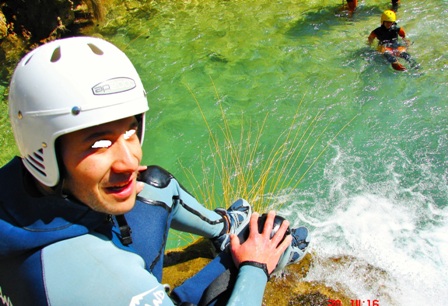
{"x":118,"y":186}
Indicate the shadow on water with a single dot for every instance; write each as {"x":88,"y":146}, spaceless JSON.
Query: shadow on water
{"x":320,"y":20}
{"x":373,"y":62}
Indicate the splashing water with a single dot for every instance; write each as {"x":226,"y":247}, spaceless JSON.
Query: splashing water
{"x":382,"y":242}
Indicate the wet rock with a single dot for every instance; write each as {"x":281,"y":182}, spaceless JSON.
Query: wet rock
{"x":35,"y":20}
{"x":27,"y":24}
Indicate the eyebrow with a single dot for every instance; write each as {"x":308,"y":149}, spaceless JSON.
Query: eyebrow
{"x":100,"y":134}
{"x":94,"y":136}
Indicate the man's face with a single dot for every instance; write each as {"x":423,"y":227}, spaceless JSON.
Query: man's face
{"x":101,"y":165}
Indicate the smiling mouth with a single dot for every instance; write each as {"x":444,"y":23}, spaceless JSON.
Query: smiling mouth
{"x":118,"y":188}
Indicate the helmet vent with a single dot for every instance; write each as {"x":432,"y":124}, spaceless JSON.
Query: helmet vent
{"x":39,"y":155}
{"x":95,"y":49}
{"x":36,"y":161}
{"x":35,"y":168}
{"x":28,"y":60}
{"x":56,"y":56}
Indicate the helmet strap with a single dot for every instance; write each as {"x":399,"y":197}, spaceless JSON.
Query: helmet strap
{"x":59,"y":187}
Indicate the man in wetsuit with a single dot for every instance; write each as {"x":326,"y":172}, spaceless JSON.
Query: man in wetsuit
{"x":387,"y":35}
{"x":81,"y":221}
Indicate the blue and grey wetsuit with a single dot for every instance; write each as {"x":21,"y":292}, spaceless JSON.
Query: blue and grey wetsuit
{"x":57,"y":251}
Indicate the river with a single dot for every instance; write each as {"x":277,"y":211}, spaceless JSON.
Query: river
{"x":343,"y":144}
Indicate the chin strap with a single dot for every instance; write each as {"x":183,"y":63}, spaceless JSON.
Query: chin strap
{"x":125,"y":230}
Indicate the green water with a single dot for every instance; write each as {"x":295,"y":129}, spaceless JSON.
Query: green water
{"x":378,"y":193}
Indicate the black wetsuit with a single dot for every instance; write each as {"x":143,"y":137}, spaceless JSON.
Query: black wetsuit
{"x":389,"y":38}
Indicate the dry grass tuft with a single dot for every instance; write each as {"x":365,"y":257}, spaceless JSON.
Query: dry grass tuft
{"x":239,"y":170}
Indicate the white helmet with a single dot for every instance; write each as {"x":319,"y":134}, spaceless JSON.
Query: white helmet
{"x":65,"y":86}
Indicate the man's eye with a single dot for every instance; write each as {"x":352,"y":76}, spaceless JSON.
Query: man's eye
{"x":129,"y":134}
{"x":102,"y":144}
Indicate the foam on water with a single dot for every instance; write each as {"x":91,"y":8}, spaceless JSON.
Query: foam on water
{"x":377,"y":243}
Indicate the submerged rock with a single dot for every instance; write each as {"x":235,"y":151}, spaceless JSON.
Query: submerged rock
{"x":216,"y":57}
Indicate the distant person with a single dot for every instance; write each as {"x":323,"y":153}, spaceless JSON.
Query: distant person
{"x":351,"y":4}
{"x":395,"y":4}
{"x":388,"y":44}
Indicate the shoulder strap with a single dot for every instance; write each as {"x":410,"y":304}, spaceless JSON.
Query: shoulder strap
{"x":125,"y":230}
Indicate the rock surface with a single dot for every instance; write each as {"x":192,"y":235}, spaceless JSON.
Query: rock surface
{"x":286,"y":290}
{"x":27,"y":24}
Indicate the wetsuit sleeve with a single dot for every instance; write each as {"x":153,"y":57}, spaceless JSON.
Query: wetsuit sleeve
{"x":188,"y":215}
{"x":249,"y":287}
{"x":91,"y":270}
